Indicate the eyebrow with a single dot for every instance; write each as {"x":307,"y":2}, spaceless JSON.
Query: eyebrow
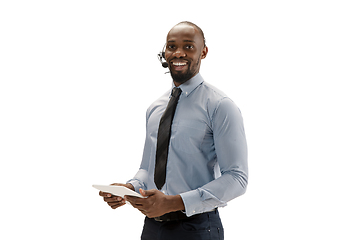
{"x":170,"y":41}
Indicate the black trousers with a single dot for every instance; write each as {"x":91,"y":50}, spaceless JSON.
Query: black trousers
{"x":206,"y":226}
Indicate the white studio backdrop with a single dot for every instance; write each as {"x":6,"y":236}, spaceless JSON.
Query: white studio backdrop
{"x":76,"y":78}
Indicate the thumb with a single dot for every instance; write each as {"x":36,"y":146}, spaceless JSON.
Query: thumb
{"x":147,"y":193}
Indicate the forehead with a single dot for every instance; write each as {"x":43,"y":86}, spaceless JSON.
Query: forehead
{"x":184,"y":32}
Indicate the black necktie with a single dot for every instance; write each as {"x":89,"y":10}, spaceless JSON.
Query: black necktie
{"x":163,"y":139}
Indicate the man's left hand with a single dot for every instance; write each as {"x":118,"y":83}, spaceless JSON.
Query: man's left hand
{"x":156,"y":203}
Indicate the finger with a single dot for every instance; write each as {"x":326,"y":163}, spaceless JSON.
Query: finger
{"x":135,"y":204}
{"x":104,"y":194}
{"x":118,"y":205}
{"x":147,"y":192}
{"x":143,"y":192}
{"x":115,"y":205}
{"x":134,"y":200}
{"x":138,"y":207}
{"x":113,"y":199}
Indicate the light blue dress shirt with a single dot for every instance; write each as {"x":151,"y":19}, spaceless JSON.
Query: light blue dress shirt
{"x":207,"y":161}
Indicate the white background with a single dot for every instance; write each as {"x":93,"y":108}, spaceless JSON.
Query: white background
{"x":77,"y":77}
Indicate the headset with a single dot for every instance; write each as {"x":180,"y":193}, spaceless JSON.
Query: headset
{"x":161,"y":57}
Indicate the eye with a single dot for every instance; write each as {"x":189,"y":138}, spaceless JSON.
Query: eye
{"x":189,"y":47}
{"x":171,"y":47}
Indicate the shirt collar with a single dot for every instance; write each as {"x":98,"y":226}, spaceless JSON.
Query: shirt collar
{"x":190,"y":85}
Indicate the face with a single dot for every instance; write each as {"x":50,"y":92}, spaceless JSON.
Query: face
{"x":184,"y":51}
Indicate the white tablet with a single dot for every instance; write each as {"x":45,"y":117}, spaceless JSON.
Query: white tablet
{"x":120,"y":191}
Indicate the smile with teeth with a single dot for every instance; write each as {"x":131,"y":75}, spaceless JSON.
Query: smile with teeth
{"x":179,"y":63}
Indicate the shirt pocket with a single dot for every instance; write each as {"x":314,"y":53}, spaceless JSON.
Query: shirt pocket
{"x":188,"y":136}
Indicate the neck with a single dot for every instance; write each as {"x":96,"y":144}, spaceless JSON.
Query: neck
{"x":178,"y":84}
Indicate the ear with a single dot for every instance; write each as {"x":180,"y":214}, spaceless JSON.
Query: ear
{"x":204,"y":52}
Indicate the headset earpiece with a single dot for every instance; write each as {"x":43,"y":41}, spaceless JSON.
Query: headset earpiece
{"x":161,"y":57}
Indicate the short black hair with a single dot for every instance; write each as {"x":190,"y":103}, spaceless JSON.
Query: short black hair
{"x":195,"y":26}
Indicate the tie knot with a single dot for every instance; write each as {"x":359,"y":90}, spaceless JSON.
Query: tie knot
{"x":176,"y":92}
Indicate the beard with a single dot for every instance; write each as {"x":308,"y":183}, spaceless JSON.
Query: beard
{"x":183,"y":77}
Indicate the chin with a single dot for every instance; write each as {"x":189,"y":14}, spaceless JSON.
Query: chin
{"x":181,"y":77}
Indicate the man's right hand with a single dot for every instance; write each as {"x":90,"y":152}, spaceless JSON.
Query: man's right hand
{"x":115,"y":201}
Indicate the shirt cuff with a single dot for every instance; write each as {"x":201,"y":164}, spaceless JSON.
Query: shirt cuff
{"x":139,"y":180}
{"x":199,"y":201}
{"x":136,"y":184}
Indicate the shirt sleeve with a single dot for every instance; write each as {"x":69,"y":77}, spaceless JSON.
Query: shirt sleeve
{"x":231,"y":151}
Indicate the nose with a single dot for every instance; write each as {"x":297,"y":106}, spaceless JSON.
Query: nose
{"x":179,"y":53}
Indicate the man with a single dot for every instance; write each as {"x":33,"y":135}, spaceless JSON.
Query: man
{"x":202,"y":164}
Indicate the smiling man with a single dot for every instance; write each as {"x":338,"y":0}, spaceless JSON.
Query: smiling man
{"x":195,"y":154}
{"x":185,"y":64}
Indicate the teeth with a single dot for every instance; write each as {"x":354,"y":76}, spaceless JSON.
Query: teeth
{"x":179,"y":64}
